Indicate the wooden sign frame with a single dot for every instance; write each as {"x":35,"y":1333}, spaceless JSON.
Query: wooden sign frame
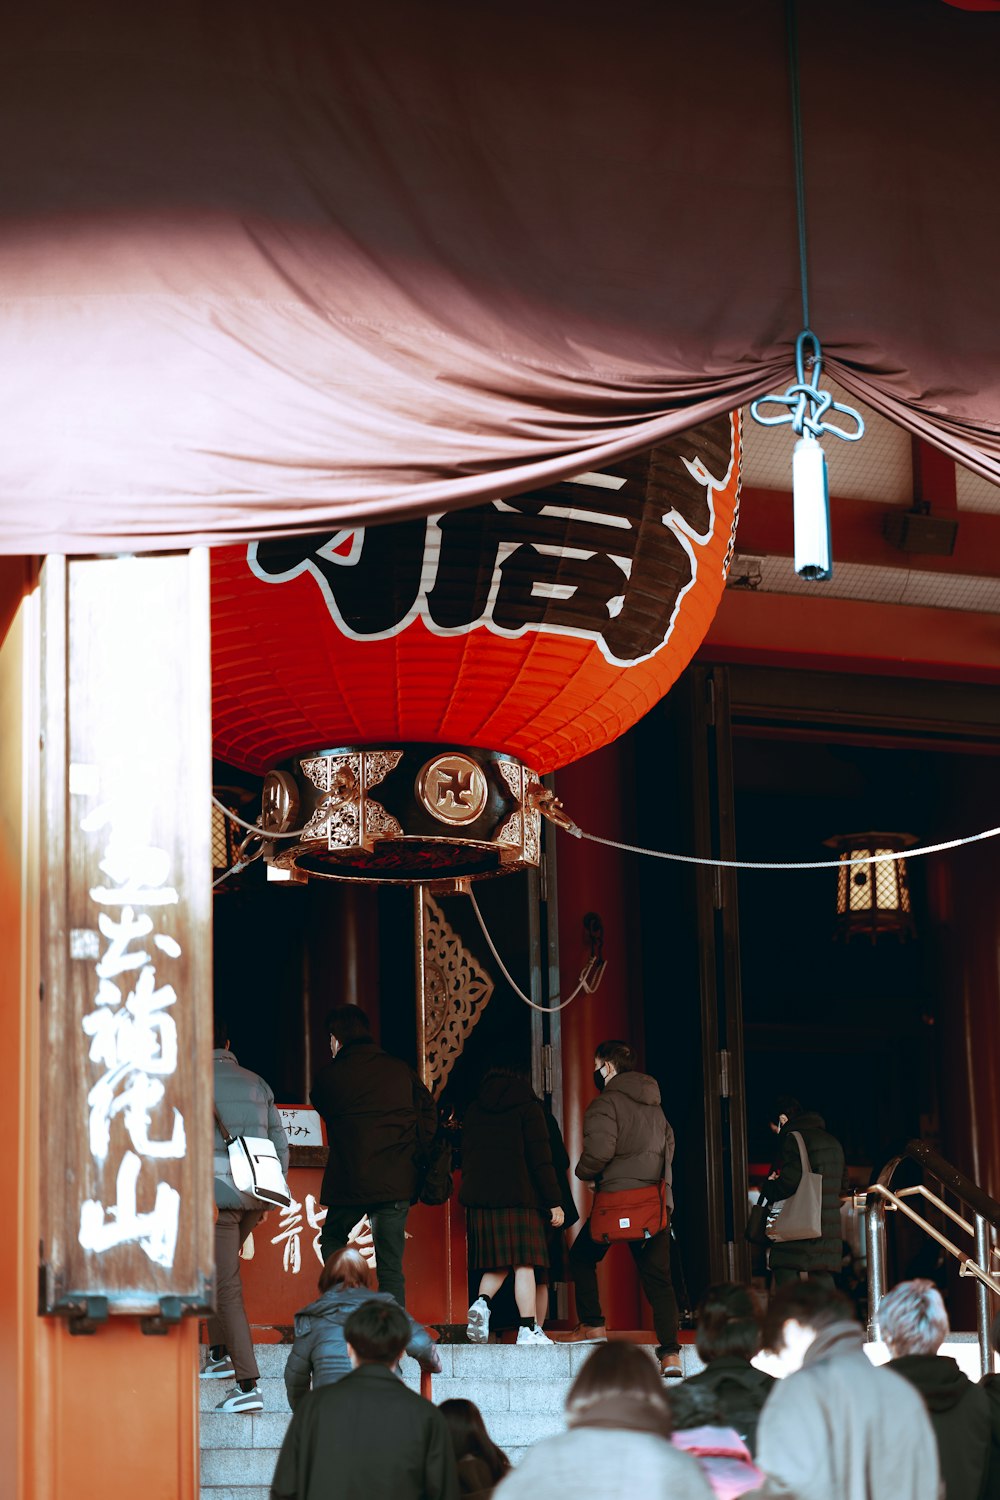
{"x":126,"y":1209}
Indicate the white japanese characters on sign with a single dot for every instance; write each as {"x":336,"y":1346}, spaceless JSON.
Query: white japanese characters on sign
{"x":290,"y":1233}
{"x":133,"y":1036}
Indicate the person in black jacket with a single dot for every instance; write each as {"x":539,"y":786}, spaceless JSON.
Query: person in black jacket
{"x":319,"y":1354}
{"x":729,"y":1391}
{"x":913,"y":1323}
{"x":820,"y":1259}
{"x":380,"y":1123}
{"x":510,"y":1192}
{"x":368,"y":1434}
{"x":991,"y":1385}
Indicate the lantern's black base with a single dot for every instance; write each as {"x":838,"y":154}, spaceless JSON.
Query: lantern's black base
{"x":403,"y":814}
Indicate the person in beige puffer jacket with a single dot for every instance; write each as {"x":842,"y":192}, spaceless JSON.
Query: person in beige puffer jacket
{"x":627,"y":1143}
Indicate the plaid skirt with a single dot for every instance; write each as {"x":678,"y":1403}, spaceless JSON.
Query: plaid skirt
{"x":500,"y":1237}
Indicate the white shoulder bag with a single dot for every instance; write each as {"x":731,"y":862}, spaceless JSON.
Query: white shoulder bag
{"x":256,"y":1169}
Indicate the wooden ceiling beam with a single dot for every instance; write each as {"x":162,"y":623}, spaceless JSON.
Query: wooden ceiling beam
{"x":765,"y":530}
{"x":851,"y":635}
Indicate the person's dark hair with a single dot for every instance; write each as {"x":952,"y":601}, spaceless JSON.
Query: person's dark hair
{"x":348,"y":1023}
{"x":619,"y":1054}
{"x":347,"y":1268}
{"x":728,"y":1323}
{"x":469,"y":1437}
{"x":617,"y":1370}
{"x":220,"y":1033}
{"x":786,"y":1104}
{"x":378,"y":1332}
{"x":809,"y":1303}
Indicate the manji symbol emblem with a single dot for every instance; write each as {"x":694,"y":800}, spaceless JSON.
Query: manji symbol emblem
{"x":453,"y":789}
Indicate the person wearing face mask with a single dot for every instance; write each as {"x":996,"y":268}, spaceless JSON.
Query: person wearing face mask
{"x":380,"y":1123}
{"x":627,"y":1143}
{"x":818,"y":1259}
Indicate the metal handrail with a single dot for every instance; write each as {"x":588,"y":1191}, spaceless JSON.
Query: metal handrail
{"x":923,"y":1192}
{"x":880,"y":1197}
{"x":971,"y":1194}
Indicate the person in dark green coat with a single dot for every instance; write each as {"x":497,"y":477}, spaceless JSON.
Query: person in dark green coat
{"x":819,"y":1259}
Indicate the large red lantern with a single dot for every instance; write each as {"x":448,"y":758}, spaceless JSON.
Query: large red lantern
{"x":407,"y":684}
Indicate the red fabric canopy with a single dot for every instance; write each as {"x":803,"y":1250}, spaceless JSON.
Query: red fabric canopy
{"x":276,"y":267}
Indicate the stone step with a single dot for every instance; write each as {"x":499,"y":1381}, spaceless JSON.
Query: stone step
{"x":520,"y":1390}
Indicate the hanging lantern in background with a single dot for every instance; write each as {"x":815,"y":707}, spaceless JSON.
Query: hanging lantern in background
{"x":872,"y":899}
{"x":405,"y":686}
{"x":227,"y":836}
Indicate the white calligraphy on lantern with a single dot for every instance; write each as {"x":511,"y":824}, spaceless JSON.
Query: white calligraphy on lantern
{"x":133,"y":1037}
{"x":290,"y":1234}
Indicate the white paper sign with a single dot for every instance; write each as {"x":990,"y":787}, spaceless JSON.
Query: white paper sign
{"x":302,"y":1126}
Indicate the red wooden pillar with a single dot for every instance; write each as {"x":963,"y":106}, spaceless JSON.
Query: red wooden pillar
{"x":965,"y":898}
{"x":595,"y":792}
{"x":964,"y":909}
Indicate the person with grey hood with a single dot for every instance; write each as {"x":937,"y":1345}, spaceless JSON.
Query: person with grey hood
{"x":627,"y":1144}
{"x":245,"y":1104}
{"x":837,"y":1428}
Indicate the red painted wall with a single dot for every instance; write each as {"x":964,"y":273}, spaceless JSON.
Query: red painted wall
{"x":597,"y":792}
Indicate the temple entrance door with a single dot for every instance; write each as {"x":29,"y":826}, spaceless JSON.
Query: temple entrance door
{"x":691,"y":969}
{"x":719,"y":973}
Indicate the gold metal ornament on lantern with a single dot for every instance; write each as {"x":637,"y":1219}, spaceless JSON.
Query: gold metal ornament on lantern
{"x":452,"y":788}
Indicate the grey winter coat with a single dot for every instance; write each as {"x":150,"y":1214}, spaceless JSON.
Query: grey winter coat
{"x":627,"y":1140}
{"x":840,"y":1429}
{"x":592,"y":1463}
{"x":319,"y":1354}
{"x":826,"y":1156}
{"x":246,"y":1105}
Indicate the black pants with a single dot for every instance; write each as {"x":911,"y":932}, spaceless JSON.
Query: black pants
{"x":652,"y":1259}
{"x":388,"y":1221}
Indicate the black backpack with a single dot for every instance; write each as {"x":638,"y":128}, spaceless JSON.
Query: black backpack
{"x":435,"y":1171}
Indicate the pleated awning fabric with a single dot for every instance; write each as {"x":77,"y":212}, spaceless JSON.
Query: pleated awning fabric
{"x":269,"y":268}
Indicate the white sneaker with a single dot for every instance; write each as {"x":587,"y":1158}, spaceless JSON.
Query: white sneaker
{"x":242,"y":1401}
{"x":532,"y":1336}
{"x":477,"y":1330}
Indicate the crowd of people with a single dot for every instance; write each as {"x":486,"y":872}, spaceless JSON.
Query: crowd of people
{"x":835,"y":1427}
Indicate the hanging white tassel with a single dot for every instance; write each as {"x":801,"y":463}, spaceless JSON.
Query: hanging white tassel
{"x":811,"y":510}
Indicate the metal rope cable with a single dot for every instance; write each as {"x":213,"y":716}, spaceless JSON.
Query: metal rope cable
{"x":792,"y":32}
{"x":256,"y":827}
{"x":545,"y":1009}
{"x":807,"y":864}
{"x":806,"y":404}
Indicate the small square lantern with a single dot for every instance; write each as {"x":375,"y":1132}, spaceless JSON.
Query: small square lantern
{"x":872,"y":898}
{"x":227,"y":836}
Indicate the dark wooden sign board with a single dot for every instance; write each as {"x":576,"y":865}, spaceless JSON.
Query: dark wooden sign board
{"x":126,"y":1002}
